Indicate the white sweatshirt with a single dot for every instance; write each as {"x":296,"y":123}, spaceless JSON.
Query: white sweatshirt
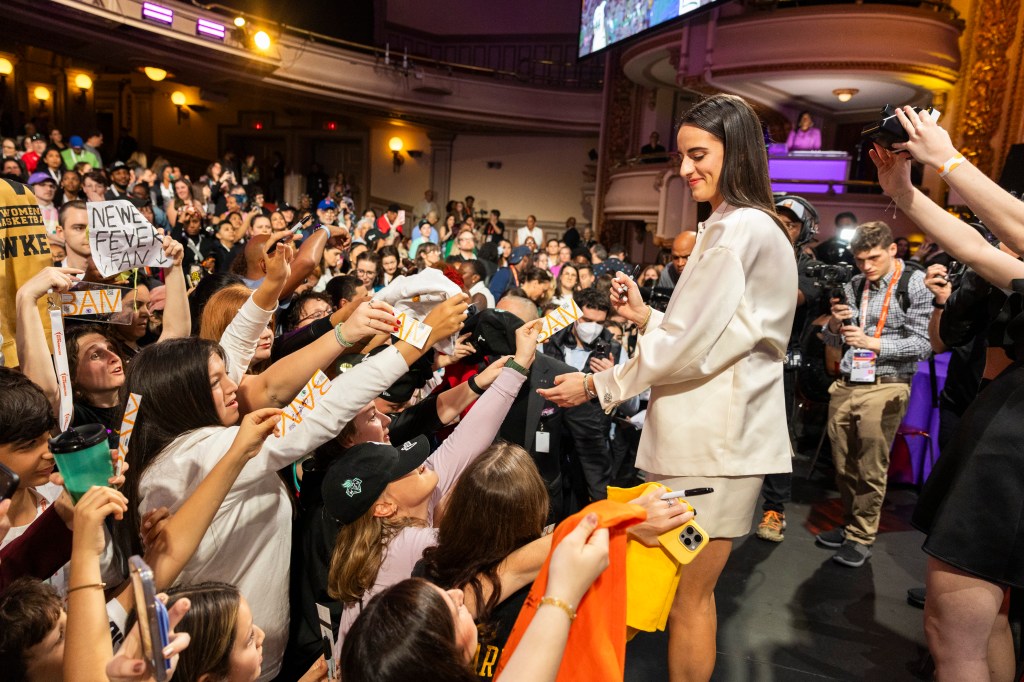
{"x":249,"y":542}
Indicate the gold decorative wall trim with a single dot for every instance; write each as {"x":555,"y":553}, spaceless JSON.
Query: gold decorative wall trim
{"x":995,"y":29}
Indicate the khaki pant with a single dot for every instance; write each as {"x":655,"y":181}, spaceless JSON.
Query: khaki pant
{"x":862,"y":423}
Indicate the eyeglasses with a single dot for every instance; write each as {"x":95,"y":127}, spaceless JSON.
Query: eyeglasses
{"x":316,"y":315}
{"x":366,"y":273}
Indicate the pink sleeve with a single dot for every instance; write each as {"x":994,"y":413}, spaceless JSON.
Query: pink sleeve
{"x":476,"y":432}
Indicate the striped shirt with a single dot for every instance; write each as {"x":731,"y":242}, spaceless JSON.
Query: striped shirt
{"x":904,"y":338}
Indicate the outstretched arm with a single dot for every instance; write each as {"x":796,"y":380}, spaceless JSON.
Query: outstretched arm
{"x":999,"y":210}
{"x":177,"y":319}
{"x":959,"y":239}
{"x":33,"y":353}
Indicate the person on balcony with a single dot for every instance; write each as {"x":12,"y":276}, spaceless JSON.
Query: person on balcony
{"x":805,"y":137}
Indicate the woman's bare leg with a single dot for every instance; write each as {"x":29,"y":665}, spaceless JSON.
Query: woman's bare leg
{"x":693,"y":621}
{"x":959,"y":616}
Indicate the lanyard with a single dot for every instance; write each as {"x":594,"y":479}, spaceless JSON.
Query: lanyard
{"x":897,"y":273}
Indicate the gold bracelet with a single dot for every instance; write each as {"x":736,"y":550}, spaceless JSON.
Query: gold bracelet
{"x":102,"y":586}
{"x":552,"y":601}
{"x":643,"y":327}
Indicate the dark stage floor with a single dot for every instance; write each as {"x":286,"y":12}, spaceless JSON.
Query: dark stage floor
{"x":787,"y":612}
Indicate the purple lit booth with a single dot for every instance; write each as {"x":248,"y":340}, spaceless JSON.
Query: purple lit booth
{"x":824,"y":167}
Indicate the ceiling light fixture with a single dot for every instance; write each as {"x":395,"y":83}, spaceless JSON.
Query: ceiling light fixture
{"x":845,"y":94}
{"x":154,"y":73}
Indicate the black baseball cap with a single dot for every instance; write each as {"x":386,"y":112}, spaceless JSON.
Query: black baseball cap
{"x":354,"y":482}
{"x":493,"y":332}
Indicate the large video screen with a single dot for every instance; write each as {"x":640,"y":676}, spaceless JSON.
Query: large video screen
{"x":606,"y":22}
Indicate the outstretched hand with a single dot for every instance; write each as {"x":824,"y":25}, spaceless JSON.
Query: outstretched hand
{"x":568,"y":390}
{"x":130,"y":666}
{"x":929,"y":143}
{"x":893,"y":171}
{"x":368,"y":320}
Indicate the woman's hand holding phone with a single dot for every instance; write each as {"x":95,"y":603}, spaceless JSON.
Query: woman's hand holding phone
{"x":129,"y":665}
{"x":662,"y":516}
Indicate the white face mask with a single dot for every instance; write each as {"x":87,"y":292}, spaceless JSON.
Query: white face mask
{"x":588,"y":331}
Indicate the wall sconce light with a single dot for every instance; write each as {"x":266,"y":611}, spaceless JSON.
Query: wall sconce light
{"x":845,"y":94}
{"x":84,"y":84}
{"x":262,"y":40}
{"x":154,"y":73}
{"x":6,"y":68}
{"x":178,"y":100}
{"x":395,"y":144}
{"x":239,"y":21}
{"x":42,"y":94}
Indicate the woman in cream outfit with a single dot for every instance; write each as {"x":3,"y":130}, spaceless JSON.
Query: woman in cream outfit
{"x":713,"y":360}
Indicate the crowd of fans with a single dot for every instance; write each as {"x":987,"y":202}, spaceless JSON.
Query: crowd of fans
{"x":439,"y":465}
{"x":301,"y":462}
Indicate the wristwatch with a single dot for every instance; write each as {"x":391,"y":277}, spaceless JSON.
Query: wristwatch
{"x":512,"y":364}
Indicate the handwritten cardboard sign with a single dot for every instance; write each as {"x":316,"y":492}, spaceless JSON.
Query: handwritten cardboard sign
{"x":131,"y":412}
{"x":91,"y":302}
{"x":412,"y":330}
{"x":305,"y":402}
{"x":121,"y":239}
{"x":558,"y":319}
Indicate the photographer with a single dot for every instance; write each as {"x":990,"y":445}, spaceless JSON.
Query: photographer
{"x":884,"y":321}
{"x":800,"y":219}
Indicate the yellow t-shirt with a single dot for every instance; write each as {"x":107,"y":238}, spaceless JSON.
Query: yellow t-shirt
{"x":24,"y":251}
{"x":652,"y":575}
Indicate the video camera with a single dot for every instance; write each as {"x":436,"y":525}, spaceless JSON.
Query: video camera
{"x":656,"y":297}
{"x":831,"y":278}
{"x":888,"y":130}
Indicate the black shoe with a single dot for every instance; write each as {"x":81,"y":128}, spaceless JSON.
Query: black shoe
{"x":852,"y":554}
{"x":833,"y":539}
{"x":915,"y":597}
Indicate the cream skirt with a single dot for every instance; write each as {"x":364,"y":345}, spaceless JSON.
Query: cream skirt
{"x":726,"y":513}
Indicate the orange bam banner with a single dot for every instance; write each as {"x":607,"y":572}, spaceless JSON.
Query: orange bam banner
{"x":559,"y":319}
{"x":95,"y":302}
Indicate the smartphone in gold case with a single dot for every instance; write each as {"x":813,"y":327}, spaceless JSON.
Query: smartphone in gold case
{"x":685,"y":542}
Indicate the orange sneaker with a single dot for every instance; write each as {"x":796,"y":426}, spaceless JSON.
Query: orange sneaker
{"x":772,"y":526}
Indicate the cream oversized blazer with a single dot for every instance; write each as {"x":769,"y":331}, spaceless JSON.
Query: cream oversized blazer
{"x":714,"y":358}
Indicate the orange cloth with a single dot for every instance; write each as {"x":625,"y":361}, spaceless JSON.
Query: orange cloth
{"x":596,"y":648}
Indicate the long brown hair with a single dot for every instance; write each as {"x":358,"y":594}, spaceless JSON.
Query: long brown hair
{"x":499,"y":504}
{"x":405,"y":633}
{"x":745,"y":181}
{"x":210,"y":622}
{"x":359,"y":552}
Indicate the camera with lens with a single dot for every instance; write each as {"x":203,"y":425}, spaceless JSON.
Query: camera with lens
{"x":656,"y":297}
{"x":888,"y":130}
{"x":831,"y":278}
